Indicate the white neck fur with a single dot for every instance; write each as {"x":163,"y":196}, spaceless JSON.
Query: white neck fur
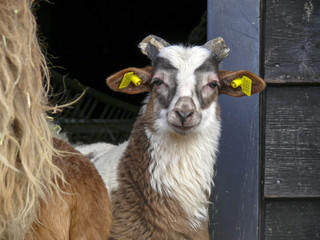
{"x":182,"y":166}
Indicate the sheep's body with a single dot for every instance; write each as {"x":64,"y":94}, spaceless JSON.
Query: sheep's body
{"x":164,"y":177}
{"x":106,"y":158}
{"x":150,"y":166}
{"x":143,"y":211}
{"x":82,"y":210}
{"x":164,"y":174}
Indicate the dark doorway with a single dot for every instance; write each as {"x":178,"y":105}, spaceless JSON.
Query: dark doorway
{"x":91,"y":40}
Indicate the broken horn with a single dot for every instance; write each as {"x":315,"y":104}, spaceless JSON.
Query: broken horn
{"x":218,"y":48}
{"x":151,"y":46}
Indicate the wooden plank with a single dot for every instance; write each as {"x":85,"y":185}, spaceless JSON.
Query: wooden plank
{"x":292,"y":41}
{"x":236,"y":193}
{"x":292,"y":151}
{"x":292,"y":220}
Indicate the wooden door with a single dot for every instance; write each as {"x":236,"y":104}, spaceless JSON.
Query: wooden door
{"x":268,"y":173}
{"x":235,"y":211}
{"x":291,"y":196}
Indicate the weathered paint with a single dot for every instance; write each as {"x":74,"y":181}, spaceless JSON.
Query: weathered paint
{"x":236,"y":196}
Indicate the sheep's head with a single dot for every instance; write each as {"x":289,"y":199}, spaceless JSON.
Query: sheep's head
{"x":184,"y":82}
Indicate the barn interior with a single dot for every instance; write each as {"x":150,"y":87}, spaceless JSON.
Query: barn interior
{"x":88,"y":41}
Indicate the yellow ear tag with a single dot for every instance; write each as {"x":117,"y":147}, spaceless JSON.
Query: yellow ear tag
{"x":128,"y":78}
{"x":245,"y":83}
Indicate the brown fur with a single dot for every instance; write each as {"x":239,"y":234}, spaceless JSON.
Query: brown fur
{"x":226,"y":77}
{"x":27,"y":173}
{"x":47,"y":189}
{"x":144,"y":75}
{"x":83,"y":211}
{"x":140,"y":212}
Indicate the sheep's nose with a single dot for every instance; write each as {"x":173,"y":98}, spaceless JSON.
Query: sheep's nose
{"x":184,"y":115}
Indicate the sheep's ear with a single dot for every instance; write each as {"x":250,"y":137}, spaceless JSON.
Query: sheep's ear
{"x":226,"y":78}
{"x":144,"y":74}
{"x":151,"y":46}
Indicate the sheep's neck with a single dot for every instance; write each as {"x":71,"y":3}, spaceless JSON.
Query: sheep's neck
{"x":179,"y":167}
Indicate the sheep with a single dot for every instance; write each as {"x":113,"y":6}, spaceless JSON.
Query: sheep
{"x":48,"y":190}
{"x":162,"y":176}
{"x":82,"y":210}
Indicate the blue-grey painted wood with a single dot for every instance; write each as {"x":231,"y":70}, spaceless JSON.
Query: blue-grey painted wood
{"x":236,"y":195}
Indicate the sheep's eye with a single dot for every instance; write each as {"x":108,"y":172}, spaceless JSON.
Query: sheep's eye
{"x":157,"y":82}
{"x":213,"y":84}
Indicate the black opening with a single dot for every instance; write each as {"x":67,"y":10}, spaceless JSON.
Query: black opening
{"x":89,"y":40}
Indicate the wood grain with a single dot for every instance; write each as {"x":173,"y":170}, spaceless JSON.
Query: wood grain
{"x":236,"y":193}
{"x":292,"y":41}
{"x":293,"y":220}
{"x":292,"y":152}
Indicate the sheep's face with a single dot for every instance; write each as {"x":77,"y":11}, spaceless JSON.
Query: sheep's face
{"x":184,"y":89}
{"x":184,"y":83}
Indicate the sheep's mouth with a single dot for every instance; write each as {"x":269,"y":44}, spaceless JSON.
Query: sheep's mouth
{"x":183,"y":130}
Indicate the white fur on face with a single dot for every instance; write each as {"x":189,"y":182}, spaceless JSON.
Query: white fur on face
{"x":186,"y":60}
{"x":181,"y":83}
